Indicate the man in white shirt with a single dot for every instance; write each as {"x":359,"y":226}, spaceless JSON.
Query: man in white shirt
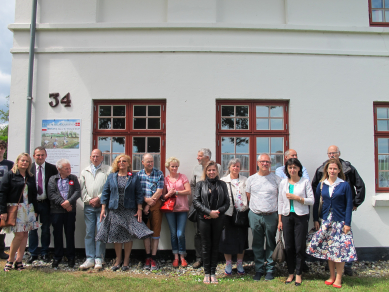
{"x":291,"y":153}
{"x":262,"y":191}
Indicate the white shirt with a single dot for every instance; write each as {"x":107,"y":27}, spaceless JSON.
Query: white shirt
{"x":43,"y":196}
{"x":331,"y":187}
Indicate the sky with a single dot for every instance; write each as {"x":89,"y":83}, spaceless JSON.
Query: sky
{"x":7,"y":16}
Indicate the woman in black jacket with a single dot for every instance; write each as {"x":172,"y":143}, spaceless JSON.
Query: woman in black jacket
{"x":18,"y":185}
{"x":211,"y":202}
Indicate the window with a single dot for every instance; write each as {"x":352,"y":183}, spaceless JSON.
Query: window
{"x":246,"y":129}
{"x":381,"y":143}
{"x":134,"y":128}
{"x":379,"y":12}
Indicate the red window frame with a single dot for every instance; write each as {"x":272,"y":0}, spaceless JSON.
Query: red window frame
{"x":381,"y":24}
{"x":377,"y":135}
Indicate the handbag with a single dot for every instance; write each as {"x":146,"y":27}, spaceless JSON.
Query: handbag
{"x":239,"y":218}
{"x":192,"y":214}
{"x":168,"y":205}
{"x":12,"y":212}
{"x":278,"y":255}
{"x":320,"y":209}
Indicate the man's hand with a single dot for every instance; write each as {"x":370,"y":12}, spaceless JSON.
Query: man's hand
{"x":94,"y":202}
{"x":150,"y":201}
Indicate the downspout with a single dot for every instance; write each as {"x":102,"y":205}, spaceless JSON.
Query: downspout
{"x":30,"y":75}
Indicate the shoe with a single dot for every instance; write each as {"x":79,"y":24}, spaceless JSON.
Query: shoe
{"x":55,"y":263}
{"x":176,"y":263}
{"x":98,"y":264}
{"x":228,"y":269}
{"x":3,"y":256}
{"x":214,"y":280}
{"x":154,"y":265}
{"x":19,"y":266}
{"x":89,"y":263}
{"x":348,"y":271}
{"x":288,"y":282}
{"x":329,"y":282}
{"x":197,"y":264}
{"x":240,"y":269}
{"x":207,"y":279}
{"x":258,"y":276}
{"x":45,"y":258}
{"x":125,"y":268}
{"x":8,"y":266}
{"x":71,"y":263}
{"x":115,"y":268}
{"x":269,"y":276}
{"x":147,"y":265}
{"x":31,"y":259}
{"x":184,"y":263}
{"x":297,"y":284}
{"x":336,"y":286}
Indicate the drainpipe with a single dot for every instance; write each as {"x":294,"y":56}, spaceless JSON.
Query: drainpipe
{"x":30,"y":75}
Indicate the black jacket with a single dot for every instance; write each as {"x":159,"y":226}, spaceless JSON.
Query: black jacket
{"x":352,"y":177}
{"x":12,"y":187}
{"x":50,"y":170}
{"x":201,"y":194}
{"x":55,"y":197}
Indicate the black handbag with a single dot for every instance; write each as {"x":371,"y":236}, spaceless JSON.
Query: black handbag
{"x":239,"y":218}
{"x":192,"y":214}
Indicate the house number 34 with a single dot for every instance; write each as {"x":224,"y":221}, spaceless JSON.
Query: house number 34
{"x":64,"y":100}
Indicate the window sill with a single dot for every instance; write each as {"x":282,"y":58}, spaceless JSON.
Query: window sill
{"x":381,"y":200}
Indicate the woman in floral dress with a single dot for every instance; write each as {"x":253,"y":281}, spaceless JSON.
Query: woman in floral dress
{"x":18,"y":185}
{"x":334,"y":240}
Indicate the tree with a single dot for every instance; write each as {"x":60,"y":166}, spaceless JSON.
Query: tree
{"x":4,"y":118}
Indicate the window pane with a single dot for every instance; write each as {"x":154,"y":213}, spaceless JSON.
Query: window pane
{"x":245,"y":165}
{"x":225,"y":159}
{"x":227,"y":110}
{"x":104,"y":144}
{"x":105,"y":110}
{"x":242,"y":111}
{"x":383,"y":162}
{"x":383,"y":145}
{"x":114,"y":156}
{"x":262,"y":124}
{"x":154,"y":110}
{"x":376,"y":3}
{"x":140,"y":110}
{"x":386,"y":3}
{"x":154,"y":123}
{"x":382,"y":125}
{"x":153,"y":145}
{"x":137,"y":162}
{"x":277,"y":124}
{"x":376,"y":15}
{"x":157,"y":161}
{"x":119,"y":110}
{"x":277,"y":145}
{"x":262,"y":145}
{"x":228,"y":145}
{"x":242,"y":124}
{"x":119,"y":123}
{"x":383,"y":179}
{"x":276,"y":111}
{"x":262,"y":111}
{"x":118,"y":144}
{"x":106,"y":160}
{"x":276,"y":161}
{"x":227,"y":124}
{"x":382,"y":112}
{"x":105,"y":123}
{"x":139,"y":145}
{"x":139,"y":123}
{"x":386,"y":15}
{"x":242,"y":145}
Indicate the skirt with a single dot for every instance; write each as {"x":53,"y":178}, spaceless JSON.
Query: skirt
{"x":234,"y":239}
{"x":331,"y":243}
{"x":120,"y":226}
{"x":25,"y":219}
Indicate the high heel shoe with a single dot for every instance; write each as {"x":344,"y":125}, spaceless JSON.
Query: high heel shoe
{"x":8,"y":266}
{"x":329,"y":282}
{"x":116,"y":267}
{"x":288,"y":282}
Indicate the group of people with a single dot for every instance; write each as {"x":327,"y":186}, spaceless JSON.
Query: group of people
{"x":121,"y":206}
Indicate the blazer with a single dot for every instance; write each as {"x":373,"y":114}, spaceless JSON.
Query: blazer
{"x":133,"y":194}
{"x":50,"y":170}
{"x":302,"y":189}
{"x":11,"y":188}
{"x":55,"y":197}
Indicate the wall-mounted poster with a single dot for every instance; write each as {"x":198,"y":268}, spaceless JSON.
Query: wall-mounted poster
{"x":61,"y":138}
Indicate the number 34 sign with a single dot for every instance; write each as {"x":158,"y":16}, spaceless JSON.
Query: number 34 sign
{"x":64,"y":100}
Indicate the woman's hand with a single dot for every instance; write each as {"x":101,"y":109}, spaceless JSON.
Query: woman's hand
{"x":139,"y":214}
{"x":5,"y":216}
{"x":36,"y":215}
{"x":317,"y":225}
{"x":346,"y":229}
{"x":214,"y":214}
{"x":279,"y":226}
{"x":170,"y":193}
{"x":102,"y":213}
{"x":291,"y":196}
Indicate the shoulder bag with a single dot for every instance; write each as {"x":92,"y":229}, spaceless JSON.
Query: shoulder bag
{"x":278,"y":255}
{"x":168,"y":205}
{"x":12,"y":212}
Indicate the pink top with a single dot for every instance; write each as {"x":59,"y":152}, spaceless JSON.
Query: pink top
{"x":181,"y":201}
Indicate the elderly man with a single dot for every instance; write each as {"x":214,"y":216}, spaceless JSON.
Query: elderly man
{"x":42,"y":171}
{"x":63,"y":192}
{"x":291,"y":153}
{"x":262,"y":191}
{"x":352,"y":177}
{"x":203,"y":156}
{"x":92,"y":181}
{"x":152,"y":182}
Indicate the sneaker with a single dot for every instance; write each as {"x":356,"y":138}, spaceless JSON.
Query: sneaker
{"x":258,"y":276}
{"x":154,"y":265}
{"x":98,"y":264}
{"x":197,"y":264}
{"x":147,"y":265}
{"x":269,"y":276}
{"x":228,"y":270}
{"x":239,"y":267}
{"x":89,"y":263}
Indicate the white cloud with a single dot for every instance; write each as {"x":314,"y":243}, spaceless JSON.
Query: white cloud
{"x":5,"y":79}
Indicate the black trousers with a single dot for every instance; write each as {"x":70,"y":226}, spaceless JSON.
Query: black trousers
{"x":295,"y":233}
{"x":63,"y":222}
{"x":2,"y":242}
{"x":210,"y":230}
{"x":197,"y":243}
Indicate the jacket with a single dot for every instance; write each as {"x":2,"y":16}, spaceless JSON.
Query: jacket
{"x":302,"y":189}
{"x":11,"y":188}
{"x":242,"y":188}
{"x":92,"y":186}
{"x":352,"y":177}
{"x":133,"y":194}
{"x":200,"y":198}
{"x":55,"y":196}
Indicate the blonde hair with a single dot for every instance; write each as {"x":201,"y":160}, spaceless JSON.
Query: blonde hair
{"x":115,"y":167}
{"x":170,"y":160}
{"x":209,"y":163}
{"x":325,"y":171}
{"x":15,"y":167}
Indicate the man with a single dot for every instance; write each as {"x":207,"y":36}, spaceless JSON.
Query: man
{"x":262,"y":191}
{"x":92,"y":181}
{"x":5,"y":166}
{"x":203,"y":156}
{"x":42,"y":171}
{"x":152,"y":182}
{"x":352,"y":177}
{"x":291,"y":153}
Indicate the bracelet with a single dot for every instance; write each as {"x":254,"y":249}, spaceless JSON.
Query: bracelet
{"x":176,"y":193}
{"x":140,"y":208}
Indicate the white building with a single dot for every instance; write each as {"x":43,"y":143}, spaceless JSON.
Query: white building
{"x":238,"y":76}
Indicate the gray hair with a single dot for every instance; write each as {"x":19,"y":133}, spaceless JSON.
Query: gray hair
{"x":61,"y":162}
{"x":231,"y":162}
{"x":145,"y":155}
{"x":259,"y":156}
{"x":206,"y":152}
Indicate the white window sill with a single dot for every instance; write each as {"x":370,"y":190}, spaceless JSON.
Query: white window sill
{"x":381,"y":200}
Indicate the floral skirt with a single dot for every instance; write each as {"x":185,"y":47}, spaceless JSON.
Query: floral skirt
{"x":25,"y":219}
{"x":331,"y":243}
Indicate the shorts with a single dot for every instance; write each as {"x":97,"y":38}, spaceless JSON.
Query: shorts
{"x":154,"y":219}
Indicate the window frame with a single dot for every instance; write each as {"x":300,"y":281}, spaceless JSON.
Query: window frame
{"x":379,"y":24}
{"x":377,"y":135}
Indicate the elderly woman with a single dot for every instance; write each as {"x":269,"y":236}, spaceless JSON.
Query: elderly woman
{"x":211,"y":202}
{"x":294,"y":196}
{"x":334,"y":240}
{"x":18,"y":189}
{"x":234,"y":239}
{"x":177,"y":184}
{"x":63,"y":190}
{"x":121,"y":211}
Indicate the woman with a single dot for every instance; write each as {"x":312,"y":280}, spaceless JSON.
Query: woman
{"x":63,"y":191}
{"x":334,"y":240}
{"x":18,"y":185}
{"x":177,"y":184}
{"x":211,"y":202}
{"x":234,"y":239}
{"x":121,"y":211}
{"x":295,"y":194}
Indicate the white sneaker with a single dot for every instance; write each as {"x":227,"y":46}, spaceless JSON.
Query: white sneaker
{"x":89,"y":263}
{"x":98,"y":264}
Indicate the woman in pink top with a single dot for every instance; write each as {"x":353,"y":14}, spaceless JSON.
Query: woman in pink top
{"x":177,"y":184}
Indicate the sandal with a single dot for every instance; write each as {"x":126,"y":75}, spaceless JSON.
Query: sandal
{"x":207,"y":279}
{"x":19,"y":266}
{"x":8,"y":266}
{"x":214,"y":280}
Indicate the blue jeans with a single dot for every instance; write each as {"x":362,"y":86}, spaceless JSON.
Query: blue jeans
{"x":43,"y":210}
{"x":93,"y":249}
{"x":177,"y":223}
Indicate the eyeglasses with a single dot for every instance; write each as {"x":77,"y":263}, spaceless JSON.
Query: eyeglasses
{"x":332,"y":153}
{"x":264,"y":161}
